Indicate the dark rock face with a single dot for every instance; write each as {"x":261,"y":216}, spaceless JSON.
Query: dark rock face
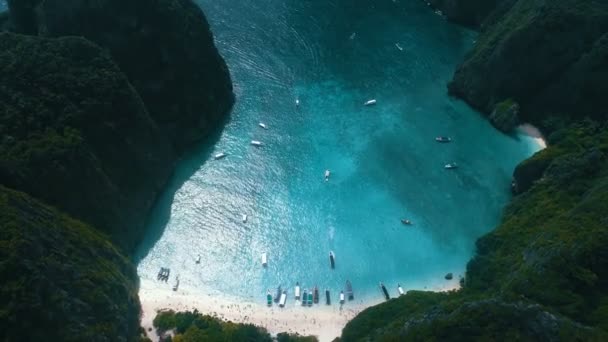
{"x":530,"y":170}
{"x":165,"y":48}
{"x":4,"y":21}
{"x":470,"y":12}
{"x":61,"y":279}
{"x":23,"y":15}
{"x":534,"y":55}
{"x":76,"y":135}
{"x":505,"y":116}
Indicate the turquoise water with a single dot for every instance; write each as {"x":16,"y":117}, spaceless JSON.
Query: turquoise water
{"x":384,"y":161}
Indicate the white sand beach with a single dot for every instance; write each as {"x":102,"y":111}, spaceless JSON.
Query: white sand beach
{"x":534,"y":133}
{"x":325,"y":322}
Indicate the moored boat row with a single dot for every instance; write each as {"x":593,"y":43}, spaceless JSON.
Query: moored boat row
{"x":308,"y":297}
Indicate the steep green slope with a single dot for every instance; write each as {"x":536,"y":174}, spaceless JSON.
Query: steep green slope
{"x":539,"y":276}
{"x":549,"y":56}
{"x":165,"y":48}
{"x":61,"y":280}
{"x":76,"y":135}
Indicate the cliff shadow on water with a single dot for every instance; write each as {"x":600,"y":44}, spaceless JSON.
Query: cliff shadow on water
{"x":160,"y":214}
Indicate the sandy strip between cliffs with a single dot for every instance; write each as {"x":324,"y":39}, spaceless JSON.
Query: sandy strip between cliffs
{"x":325,"y":322}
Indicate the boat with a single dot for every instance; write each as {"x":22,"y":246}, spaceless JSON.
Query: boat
{"x":327,"y":174}
{"x":316,"y":296}
{"x":283,"y":299}
{"x":327,"y":299}
{"x":332,"y":259}
{"x":268,"y":298}
{"x":244,"y":218}
{"x":198,"y":260}
{"x":443,"y":139}
{"x":400,"y":289}
{"x":385,"y":291}
{"x":297,"y":102}
{"x":256,"y":143}
{"x":297,"y":291}
{"x":349,"y":290}
{"x":263,"y":125}
{"x":451,"y":166}
{"x":406,"y":222}
{"x":304,"y":297}
{"x":277,"y":297}
{"x":219,"y":155}
{"x":310,"y":298}
{"x":341,"y":297}
{"x":370,"y":102}
{"x":176,"y":286}
{"x":264,"y":259}
{"x":398,"y":46}
{"x":352,"y":36}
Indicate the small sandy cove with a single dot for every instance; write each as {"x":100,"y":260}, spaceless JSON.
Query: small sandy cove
{"x":324,"y":321}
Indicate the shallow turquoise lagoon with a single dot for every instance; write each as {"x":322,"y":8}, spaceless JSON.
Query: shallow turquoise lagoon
{"x":385,"y":164}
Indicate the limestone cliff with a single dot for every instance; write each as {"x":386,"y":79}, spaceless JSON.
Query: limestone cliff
{"x":548,"y":56}
{"x":61,"y":279}
{"x":76,"y":135}
{"x":165,"y":48}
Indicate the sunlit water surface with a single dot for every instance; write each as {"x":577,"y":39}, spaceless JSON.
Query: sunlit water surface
{"x":384,"y":161}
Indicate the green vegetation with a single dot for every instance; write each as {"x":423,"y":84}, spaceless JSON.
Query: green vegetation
{"x":505,"y":116}
{"x":70,"y":123}
{"x":195,"y":327}
{"x":76,"y":133}
{"x":164,"y":47}
{"x":548,"y":56}
{"x":539,"y":276}
{"x":61,"y":280}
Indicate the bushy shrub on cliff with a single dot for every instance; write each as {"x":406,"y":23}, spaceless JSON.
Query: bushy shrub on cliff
{"x":191,"y":326}
{"x":61,"y":280}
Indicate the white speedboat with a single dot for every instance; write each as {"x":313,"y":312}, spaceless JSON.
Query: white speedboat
{"x":297,"y":102}
{"x":450,"y":166}
{"x":244,"y":218}
{"x":370,"y":102}
{"x":219,"y":155}
{"x":327,"y":174}
{"x":198,"y":260}
{"x":352,"y":36}
{"x":263,"y":125}
{"x":297,"y":291}
{"x":400,"y":289}
{"x":442,"y":139}
{"x":264,"y":260}
{"x":398,"y":46}
{"x":283,"y":299}
{"x":256,"y":143}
